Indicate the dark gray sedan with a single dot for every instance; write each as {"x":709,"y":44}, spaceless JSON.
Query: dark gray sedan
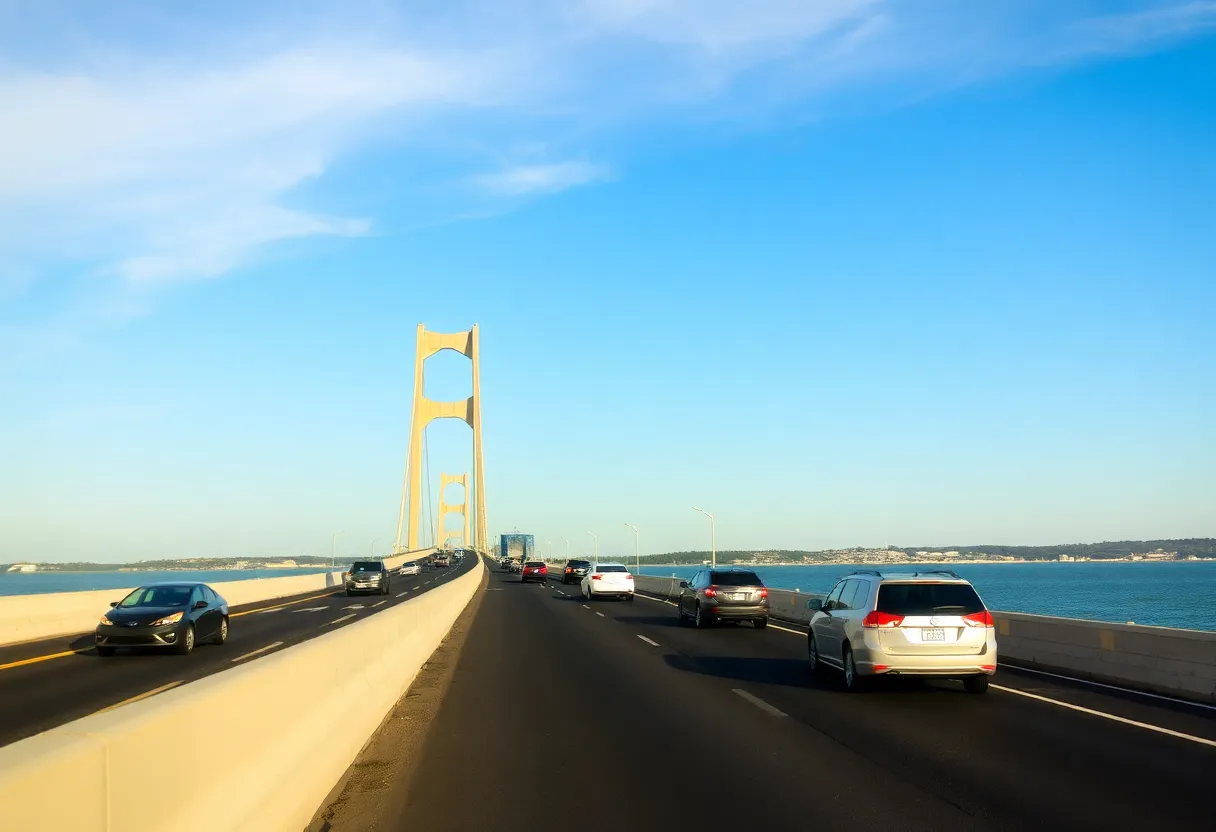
{"x":173,"y":616}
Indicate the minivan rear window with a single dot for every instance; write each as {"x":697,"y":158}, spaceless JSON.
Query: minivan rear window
{"x":928,"y":599}
{"x":367,"y":566}
{"x":735,"y":579}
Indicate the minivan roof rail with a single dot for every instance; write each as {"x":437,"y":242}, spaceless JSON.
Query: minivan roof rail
{"x":866,"y":572}
{"x":949,"y":572}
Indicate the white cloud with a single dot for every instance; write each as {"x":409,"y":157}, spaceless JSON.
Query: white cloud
{"x":542,"y":179}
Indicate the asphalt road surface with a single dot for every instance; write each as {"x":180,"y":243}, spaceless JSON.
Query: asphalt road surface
{"x":611,"y":715}
{"x":46,"y":683}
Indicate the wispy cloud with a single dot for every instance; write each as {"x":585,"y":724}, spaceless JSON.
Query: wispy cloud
{"x":542,"y":179}
{"x":156,"y":159}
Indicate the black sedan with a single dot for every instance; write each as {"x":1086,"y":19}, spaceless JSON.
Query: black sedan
{"x":173,"y":616}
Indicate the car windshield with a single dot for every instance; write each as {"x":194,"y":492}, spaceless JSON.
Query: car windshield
{"x":367,"y":566}
{"x":611,"y":568}
{"x":735,"y":579}
{"x":928,"y":599}
{"x":158,"y":596}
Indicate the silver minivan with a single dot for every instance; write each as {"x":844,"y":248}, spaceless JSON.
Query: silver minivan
{"x":926,"y":624}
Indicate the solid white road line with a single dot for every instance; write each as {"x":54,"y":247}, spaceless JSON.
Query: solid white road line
{"x":144,"y":695}
{"x":600,"y":614}
{"x":343,"y":618}
{"x":259,"y":650}
{"x":1108,"y":687}
{"x":758,"y":702}
{"x":1112,"y":717}
{"x":648,"y":641}
{"x":785,"y":629}
{"x":401,"y":594}
{"x":378,"y":603}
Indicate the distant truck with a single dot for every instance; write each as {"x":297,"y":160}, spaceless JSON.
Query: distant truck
{"x":517,"y":547}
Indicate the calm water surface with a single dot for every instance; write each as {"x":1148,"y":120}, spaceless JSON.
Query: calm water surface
{"x":1177,"y":594}
{"x":32,"y":583}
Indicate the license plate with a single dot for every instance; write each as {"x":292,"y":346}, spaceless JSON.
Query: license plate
{"x":937,"y":634}
{"x":738,"y":596}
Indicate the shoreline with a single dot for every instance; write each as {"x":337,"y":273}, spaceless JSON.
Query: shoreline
{"x":948,"y":563}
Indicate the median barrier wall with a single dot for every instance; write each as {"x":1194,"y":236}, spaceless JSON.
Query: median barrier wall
{"x":258,"y":747}
{"x":32,"y":617}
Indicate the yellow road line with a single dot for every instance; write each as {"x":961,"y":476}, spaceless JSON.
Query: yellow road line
{"x":144,"y":695}
{"x":46,"y":658}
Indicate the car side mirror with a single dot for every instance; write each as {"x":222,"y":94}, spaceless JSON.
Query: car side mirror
{"x":814,"y":605}
{"x":683,"y":584}
{"x":113,"y":603}
{"x":200,"y":605}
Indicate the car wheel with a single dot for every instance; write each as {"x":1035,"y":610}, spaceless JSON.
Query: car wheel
{"x":812,"y":653}
{"x":701,"y":621}
{"x":852,"y":679}
{"x":222,"y":634}
{"x":760,"y":623}
{"x":629,"y":597}
{"x":185,"y":644}
{"x":976,"y":684}
{"x":105,"y":651}
{"x":349,"y":593}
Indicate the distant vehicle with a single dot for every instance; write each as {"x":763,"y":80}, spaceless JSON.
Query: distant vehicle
{"x":924,"y":624}
{"x":607,"y":580}
{"x":515,"y":566}
{"x":505,"y":564}
{"x":458,"y":556}
{"x":716,"y":594}
{"x":575,"y":570}
{"x":412,"y":567}
{"x":172,"y":616}
{"x":367,"y":576}
{"x":534,"y":570}
{"x":441,"y":561}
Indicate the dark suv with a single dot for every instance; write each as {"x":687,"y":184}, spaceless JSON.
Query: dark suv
{"x":367,"y":576}
{"x":575,"y":571}
{"x":717,"y":594}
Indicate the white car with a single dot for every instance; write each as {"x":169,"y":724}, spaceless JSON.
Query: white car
{"x":411,"y":568}
{"x":607,"y":580}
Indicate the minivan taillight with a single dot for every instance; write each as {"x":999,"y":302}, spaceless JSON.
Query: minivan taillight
{"x":882,"y":619}
{"x":763,"y":593}
{"x":983,"y":618}
{"x":711,"y":592}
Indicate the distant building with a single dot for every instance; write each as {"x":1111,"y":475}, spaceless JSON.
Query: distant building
{"x":23,"y":567}
{"x":283,"y":564}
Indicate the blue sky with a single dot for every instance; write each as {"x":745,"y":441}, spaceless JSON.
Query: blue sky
{"x":850,"y":272}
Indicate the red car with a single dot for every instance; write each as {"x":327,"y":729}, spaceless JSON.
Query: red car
{"x":534,"y":570}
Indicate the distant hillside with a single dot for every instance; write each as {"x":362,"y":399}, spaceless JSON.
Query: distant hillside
{"x":1199,"y":547}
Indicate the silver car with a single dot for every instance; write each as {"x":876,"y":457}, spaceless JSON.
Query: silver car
{"x":413,"y":567}
{"x":929,"y":623}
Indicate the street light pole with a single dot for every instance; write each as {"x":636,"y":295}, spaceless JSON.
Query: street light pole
{"x":713,"y":538}
{"x":374,"y":542}
{"x":567,"y":548}
{"x":596,"y":538}
{"x":637,"y":556}
{"x":549,"y":543}
{"x":332,"y":541}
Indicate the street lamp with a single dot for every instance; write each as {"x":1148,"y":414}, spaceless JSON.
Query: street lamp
{"x":374,"y":542}
{"x":713,"y":538}
{"x":567,"y":548}
{"x":637,"y":557}
{"x":596,"y":538}
{"x":332,"y":541}
{"x":549,"y":543}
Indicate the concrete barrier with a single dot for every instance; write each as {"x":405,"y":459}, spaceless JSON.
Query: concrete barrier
{"x":257,"y":747}
{"x":32,"y":617}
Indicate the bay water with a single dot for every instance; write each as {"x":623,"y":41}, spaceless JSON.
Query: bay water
{"x":34,"y":583}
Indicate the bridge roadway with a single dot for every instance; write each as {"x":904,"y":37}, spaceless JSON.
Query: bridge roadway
{"x":49,"y":682}
{"x":611,"y":715}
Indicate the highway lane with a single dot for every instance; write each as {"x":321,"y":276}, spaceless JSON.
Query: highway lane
{"x":38,"y":692}
{"x":612,"y":714}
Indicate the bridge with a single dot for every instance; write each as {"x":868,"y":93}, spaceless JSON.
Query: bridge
{"x":466,"y":700}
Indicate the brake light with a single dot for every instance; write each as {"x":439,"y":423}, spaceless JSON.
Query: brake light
{"x":979,"y":619}
{"x":595,"y":577}
{"x":991,"y":667}
{"x":568,"y":570}
{"x":711,"y":592}
{"x":881,"y":619}
{"x":881,"y":668}
{"x":763,"y":593}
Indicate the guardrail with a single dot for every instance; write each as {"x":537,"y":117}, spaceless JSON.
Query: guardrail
{"x":32,"y":617}
{"x":257,"y":747}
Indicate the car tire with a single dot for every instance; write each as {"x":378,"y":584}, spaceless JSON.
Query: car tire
{"x":185,"y":645}
{"x":105,"y":651}
{"x":629,"y":597}
{"x":760,"y":623}
{"x":853,"y":681}
{"x":976,"y":684}
{"x":221,"y":635}
{"x":700,"y":621}
{"x":812,"y":654}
